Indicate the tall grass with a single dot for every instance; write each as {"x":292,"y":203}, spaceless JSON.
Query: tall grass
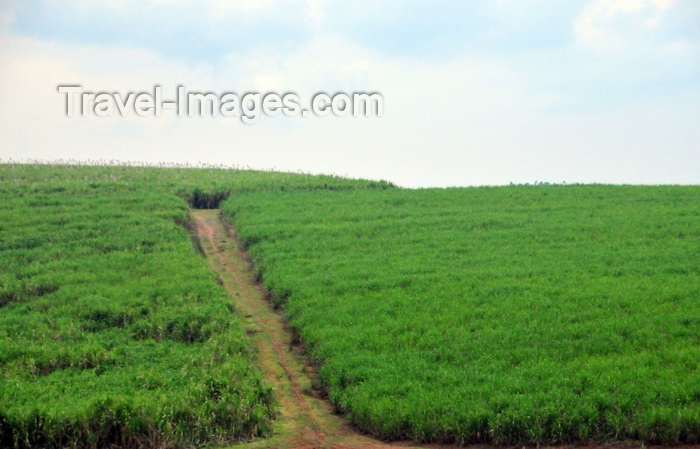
{"x":113,"y":329}
{"x":548,"y":314}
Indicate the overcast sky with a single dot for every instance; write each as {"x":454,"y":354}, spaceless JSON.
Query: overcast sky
{"x":482,"y":92}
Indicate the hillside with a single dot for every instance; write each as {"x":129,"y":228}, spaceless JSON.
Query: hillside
{"x":512,"y":315}
{"x":506,"y":315}
{"x":113,"y":329}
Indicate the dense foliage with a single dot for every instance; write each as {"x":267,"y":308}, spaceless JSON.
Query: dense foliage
{"x":515,"y":314}
{"x":113,"y":329}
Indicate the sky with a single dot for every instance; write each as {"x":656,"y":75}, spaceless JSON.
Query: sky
{"x":485,"y":92}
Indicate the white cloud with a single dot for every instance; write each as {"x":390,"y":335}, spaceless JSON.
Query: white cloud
{"x":596,"y":26}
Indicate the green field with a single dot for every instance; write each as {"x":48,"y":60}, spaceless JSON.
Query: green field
{"x":113,"y":329}
{"x":521,"y":314}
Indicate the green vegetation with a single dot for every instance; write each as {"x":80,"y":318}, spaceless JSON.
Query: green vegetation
{"x":507,"y":315}
{"x":113,"y":329}
{"x":512,"y":315}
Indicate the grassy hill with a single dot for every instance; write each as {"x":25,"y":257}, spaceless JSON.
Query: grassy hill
{"x":510,"y":315}
{"x":522,"y":314}
{"x":113,"y":329}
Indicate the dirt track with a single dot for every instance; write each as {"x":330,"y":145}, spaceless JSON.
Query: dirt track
{"x":306,"y":420}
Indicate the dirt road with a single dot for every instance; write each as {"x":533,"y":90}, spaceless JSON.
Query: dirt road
{"x":306,"y":420}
